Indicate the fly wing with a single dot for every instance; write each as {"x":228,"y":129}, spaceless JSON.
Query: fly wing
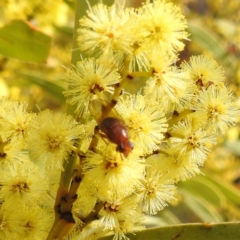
{"x":101,"y":109}
{"x":96,"y":109}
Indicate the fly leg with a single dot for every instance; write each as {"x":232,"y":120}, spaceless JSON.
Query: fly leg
{"x":96,"y":136}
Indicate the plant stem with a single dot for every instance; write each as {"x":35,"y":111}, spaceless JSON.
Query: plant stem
{"x":69,"y":183}
{"x":64,"y":221}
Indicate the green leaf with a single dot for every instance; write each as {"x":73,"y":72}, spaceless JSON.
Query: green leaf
{"x":195,"y":231}
{"x":65,"y":30}
{"x":209,"y":41}
{"x":202,"y":208}
{"x":54,"y":89}
{"x":22,"y":41}
{"x":202,"y":187}
{"x":231,"y":193}
{"x":167,"y":217}
{"x":233,"y":146}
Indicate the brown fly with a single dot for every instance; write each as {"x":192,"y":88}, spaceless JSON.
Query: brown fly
{"x":111,"y":126}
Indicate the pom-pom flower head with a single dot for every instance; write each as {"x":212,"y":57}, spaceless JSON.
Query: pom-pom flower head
{"x":155,"y":190}
{"x":167,"y":81}
{"x":177,"y":169}
{"x":204,"y":71}
{"x":189,"y":142}
{"x":109,"y":172}
{"x":162,"y":27}
{"x":22,"y":182}
{"x":107,"y":29}
{"x":14,"y":122}
{"x":88,"y":80}
{"x":31,"y":222}
{"x":120,"y":215}
{"x":216,"y":106}
{"x":146,"y":122}
{"x":7,"y":230}
{"x":9,"y":153}
{"x":51,"y":137}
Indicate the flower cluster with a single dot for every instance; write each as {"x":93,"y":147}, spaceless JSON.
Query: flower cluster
{"x":128,"y":147}
{"x":31,"y":145}
{"x":172,"y":122}
{"x":112,"y":33}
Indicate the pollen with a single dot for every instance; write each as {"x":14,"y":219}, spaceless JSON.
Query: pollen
{"x":20,"y":187}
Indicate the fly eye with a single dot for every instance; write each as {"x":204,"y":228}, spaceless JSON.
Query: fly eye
{"x":120,"y":148}
{"x":125,"y":148}
{"x":131,"y":145}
